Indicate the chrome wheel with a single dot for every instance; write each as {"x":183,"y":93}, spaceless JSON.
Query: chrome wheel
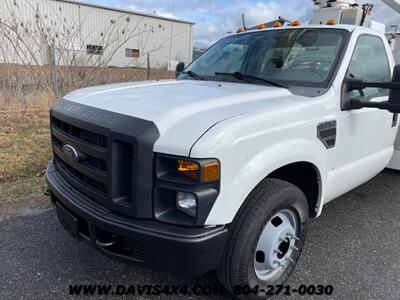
{"x":276,"y":245}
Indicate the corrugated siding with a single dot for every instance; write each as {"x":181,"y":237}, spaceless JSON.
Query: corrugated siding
{"x":70,"y":27}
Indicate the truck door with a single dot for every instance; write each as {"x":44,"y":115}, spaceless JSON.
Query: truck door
{"x":365,"y":136}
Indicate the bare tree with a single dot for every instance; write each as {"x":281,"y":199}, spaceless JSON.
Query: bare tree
{"x":54,"y":40}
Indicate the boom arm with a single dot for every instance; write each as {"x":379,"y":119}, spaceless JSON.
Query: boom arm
{"x":394,"y":4}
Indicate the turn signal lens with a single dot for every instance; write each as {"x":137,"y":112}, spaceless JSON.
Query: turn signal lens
{"x":210,"y":172}
{"x":331,"y":22}
{"x":204,"y":172}
{"x":184,"y":166}
{"x":189,"y":168}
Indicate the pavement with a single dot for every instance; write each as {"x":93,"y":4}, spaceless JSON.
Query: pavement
{"x":354,"y":246}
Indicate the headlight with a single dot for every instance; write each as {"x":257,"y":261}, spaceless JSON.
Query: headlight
{"x":185,"y":189}
{"x":190,"y":171}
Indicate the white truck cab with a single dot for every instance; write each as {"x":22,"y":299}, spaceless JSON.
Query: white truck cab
{"x":222,"y":168}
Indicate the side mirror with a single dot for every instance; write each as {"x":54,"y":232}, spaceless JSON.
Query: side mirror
{"x":392,"y":105}
{"x":179,"y":69}
{"x":394,"y":94}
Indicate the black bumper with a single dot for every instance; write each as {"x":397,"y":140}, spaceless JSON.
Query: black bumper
{"x":165,"y":247}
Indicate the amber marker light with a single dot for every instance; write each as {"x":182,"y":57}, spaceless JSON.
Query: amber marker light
{"x":331,"y":22}
{"x":261,"y":26}
{"x":296,"y":23}
{"x":239,"y":30}
{"x":210,"y":172}
{"x":277,"y":24}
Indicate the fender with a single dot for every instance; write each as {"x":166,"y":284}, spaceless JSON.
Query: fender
{"x":254,"y":170}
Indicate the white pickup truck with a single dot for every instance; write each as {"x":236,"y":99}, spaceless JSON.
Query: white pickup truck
{"x":223,"y":167}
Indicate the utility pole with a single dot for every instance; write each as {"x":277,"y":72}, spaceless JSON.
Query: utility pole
{"x":148,"y":66}
{"x":229,"y":32}
{"x":170,"y":39}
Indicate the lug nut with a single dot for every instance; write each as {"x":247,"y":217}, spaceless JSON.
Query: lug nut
{"x":293,"y":237}
{"x":289,"y":259}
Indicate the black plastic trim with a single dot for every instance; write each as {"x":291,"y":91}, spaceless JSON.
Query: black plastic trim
{"x":394,"y":120}
{"x":165,"y":195}
{"x":170,"y":248}
{"x":90,"y":172}
{"x":326,"y":133}
{"x":99,"y":153}
{"x":117,"y":128}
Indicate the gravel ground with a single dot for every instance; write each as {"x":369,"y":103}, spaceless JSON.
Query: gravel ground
{"x":354,"y":246}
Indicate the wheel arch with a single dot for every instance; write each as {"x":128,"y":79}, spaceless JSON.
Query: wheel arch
{"x":306,"y":176}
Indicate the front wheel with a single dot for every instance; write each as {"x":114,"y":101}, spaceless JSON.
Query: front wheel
{"x":265,"y":240}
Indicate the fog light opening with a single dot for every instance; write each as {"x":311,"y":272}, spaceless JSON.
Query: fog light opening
{"x":186,"y":203}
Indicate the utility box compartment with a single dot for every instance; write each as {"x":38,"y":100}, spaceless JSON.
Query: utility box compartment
{"x":351,"y":16}
{"x":323,"y":15}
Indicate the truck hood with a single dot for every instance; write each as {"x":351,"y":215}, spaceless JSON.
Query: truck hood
{"x":182,"y":110}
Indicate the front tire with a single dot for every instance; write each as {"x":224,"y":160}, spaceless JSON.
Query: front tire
{"x":265,"y":239}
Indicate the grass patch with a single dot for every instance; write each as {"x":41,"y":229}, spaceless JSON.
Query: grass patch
{"x":23,"y":190}
{"x":25,"y":145}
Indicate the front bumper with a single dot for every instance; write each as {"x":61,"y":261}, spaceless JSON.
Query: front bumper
{"x":165,"y":247}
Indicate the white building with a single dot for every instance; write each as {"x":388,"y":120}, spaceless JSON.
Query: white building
{"x":66,"y":32}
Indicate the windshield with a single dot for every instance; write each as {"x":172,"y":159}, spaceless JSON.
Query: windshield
{"x":300,"y":57}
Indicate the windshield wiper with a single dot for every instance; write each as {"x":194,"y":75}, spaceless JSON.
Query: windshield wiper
{"x":251,"y":78}
{"x":193,"y":75}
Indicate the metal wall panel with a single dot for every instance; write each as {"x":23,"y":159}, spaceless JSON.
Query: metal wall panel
{"x":58,"y":31}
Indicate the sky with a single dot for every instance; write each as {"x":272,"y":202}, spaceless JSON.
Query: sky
{"x":214,"y":18}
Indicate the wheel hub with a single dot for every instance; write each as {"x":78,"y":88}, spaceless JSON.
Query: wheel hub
{"x":276,"y":245}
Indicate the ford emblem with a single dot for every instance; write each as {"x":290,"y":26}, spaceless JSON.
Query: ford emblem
{"x":70,"y":152}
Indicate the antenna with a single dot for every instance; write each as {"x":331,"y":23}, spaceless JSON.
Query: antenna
{"x":243,"y":22}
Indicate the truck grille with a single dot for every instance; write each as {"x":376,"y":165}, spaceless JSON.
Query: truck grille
{"x":106,"y":156}
{"x":91,"y":174}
